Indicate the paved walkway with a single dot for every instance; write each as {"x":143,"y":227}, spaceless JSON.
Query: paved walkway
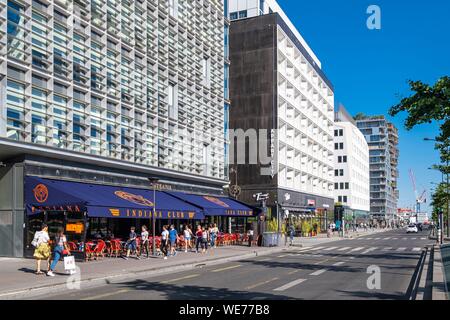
{"x":17,"y":275}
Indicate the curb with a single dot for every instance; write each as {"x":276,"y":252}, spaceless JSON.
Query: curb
{"x":100,"y":281}
{"x":439,"y":290}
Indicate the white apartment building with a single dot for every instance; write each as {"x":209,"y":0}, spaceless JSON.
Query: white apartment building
{"x":351,"y":166}
{"x":303,"y":98}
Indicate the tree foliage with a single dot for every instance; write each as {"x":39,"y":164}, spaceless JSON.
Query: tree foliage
{"x":439,"y":201}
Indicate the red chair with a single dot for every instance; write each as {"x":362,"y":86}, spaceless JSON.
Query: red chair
{"x":116,"y":248}
{"x":72,"y":246}
{"x":181,"y":242}
{"x":88,"y":251}
{"x":99,"y":250}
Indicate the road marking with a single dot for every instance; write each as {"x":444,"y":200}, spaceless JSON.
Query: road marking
{"x":317,"y":248}
{"x":290,"y":285}
{"x":357,"y":249}
{"x":227,"y":268}
{"x":340,"y":263}
{"x":404,"y":238}
{"x":284,"y":255}
{"x":387,"y":238}
{"x":344,"y":248}
{"x":423,"y":238}
{"x":401,"y":249}
{"x":417,"y":249}
{"x":394,"y":238}
{"x":413,"y":238}
{"x":387,"y":249}
{"x":352,"y":258}
{"x":295,"y":271}
{"x":369,"y":250}
{"x":260,"y":284}
{"x":329,"y":249}
{"x":106,"y":295}
{"x":318,"y":272}
{"x":265,"y":259}
{"x":182,"y":278}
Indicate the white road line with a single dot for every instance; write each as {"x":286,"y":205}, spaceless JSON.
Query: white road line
{"x":387,"y":249}
{"x":317,"y":248}
{"x":404,"y":238}
{"x":284,"y":255}
{"x":423,"y":238}
{"x":340,"y":263}
{"x":388,"y":238}
{"x":369,"y":250}
{"x":377,"y":239}
{"x":261,"y":283}
{"x":357,"y":249}
{"x":227,"y":268}
{"x":413,"y":238}
{"x":401,"y":249}
{"x":394,"y":238}
{"x":331,"y":248}
{"x":344,"y":248}
{"x":352,"y":258}
{"x":182,"y":278}
{"x":417,"y":249}
{"x":318,"y":272}
{"x":290,"y":285}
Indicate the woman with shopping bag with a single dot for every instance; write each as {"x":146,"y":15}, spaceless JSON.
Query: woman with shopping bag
{"x":42,"y":248}
{"x":60,"y":249}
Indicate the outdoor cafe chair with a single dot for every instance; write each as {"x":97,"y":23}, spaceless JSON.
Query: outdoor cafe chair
{"x":72,"y":246}
{"x":88,"y":251}
{"x":99,"y":250}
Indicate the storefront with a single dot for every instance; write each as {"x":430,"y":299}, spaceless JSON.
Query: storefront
{"x":89,"y":211}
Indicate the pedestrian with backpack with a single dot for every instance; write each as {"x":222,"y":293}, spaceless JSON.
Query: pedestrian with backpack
{"x":42,"y":248}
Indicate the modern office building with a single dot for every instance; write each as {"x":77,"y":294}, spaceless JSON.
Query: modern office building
{"x":111,"y":92}
{"x":277,"y":85}
{"x":383,"y":140}
{"x":351,"y":168}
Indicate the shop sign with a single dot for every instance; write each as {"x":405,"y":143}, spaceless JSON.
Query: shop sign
{"x":75,"y":227}
{"x":311,"y":202}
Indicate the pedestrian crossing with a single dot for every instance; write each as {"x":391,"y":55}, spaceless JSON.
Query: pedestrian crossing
{"x":320,"y":251}
{"x":390,"y":238}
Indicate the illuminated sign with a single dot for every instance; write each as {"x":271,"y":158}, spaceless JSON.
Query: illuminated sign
{"x":40,"y":193}
{"x":75,"y":227}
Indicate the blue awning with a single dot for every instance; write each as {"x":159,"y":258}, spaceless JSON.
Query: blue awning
{"x":104,"y":201}
{"x":215,"y":206}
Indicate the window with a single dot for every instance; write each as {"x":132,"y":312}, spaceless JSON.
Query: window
{"x":233,"y":15}
{"x":336,"y":172}
{"x":206,"y":66}
{"x":336,"y":146}
{"x":341,"y":172}
{"x":340,"y":199}
{"x":242,"y":14}
{"x":346,"y":186}
{"x":173,"y":8}
{"x":341,"y":146}
{"x":341,"y":132}
{"x":173,"y":107}
{"x":344,"y":159}
{"x":261,"y":7}
{"x":342,"y":186}
{"x":336,"y":132}
{"x":339,"y":159}
{"x":336,"y":186}
{"x":344,"y":199}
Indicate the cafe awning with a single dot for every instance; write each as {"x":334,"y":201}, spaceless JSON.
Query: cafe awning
{"x":104,"y":201}
{"x":215,"y":206}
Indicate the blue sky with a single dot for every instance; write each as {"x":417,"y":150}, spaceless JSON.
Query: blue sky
{"x":369,"y":68}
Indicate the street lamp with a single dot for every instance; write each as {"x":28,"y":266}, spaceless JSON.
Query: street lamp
{"x":448,"y":181}
{"x":153,"y":182}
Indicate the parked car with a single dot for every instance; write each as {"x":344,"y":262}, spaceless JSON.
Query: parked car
{"x":412,"y":228}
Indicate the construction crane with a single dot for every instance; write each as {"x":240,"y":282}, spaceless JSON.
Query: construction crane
{"x":422,"y":198}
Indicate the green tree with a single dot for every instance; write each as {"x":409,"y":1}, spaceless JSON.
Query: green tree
{"x":439,"y":202}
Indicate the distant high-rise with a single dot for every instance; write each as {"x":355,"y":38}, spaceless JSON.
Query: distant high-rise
{"x":382,"y":137}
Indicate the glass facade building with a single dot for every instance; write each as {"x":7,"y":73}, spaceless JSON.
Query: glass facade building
{"x":139,"y":81}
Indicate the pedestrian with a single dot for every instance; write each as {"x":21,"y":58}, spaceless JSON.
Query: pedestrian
{"x":199,"y":237}
{"x":61,"y":247}
{"x":250,"y":237}
{"x":145,"y":240}
{"x":213,"y":235}
{"x":173,"y":235}
{"x":164,"y":241}
{"x":187,"y":238}
{"x":205,"y":240}
{"x":42,"y":248}
{"x":291,"y":235}
{"x":131,"y":243}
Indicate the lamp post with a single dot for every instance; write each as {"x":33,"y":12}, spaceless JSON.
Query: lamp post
{"x":153,"y":182}
{"x":447,"y":186}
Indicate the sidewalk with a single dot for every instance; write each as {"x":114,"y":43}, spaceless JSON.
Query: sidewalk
{"x":18,"y":281}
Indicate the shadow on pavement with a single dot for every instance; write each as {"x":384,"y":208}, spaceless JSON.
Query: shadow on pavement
{"x":373,"y":295}
{"x":192,"y":292}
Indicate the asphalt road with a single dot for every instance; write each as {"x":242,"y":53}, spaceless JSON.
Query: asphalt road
{"x":335,"y":270}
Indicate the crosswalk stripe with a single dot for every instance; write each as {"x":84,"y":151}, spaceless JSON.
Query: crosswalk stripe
{"x":340,"y":263}
{"x":423,"y":238}
{"x":404,"y":238}
{"x":377,"y":239}
{"x":344,"y":248}
{"x":387,"y":249}
{"x":318,"y":272}
{"x":401,"y":249}
{"x":329,"y":249}
{"x":394,"y":238}
{"x":290,"y":285}
{"x":388,"y":238}
{"x":357,"y":249}
{"x":370,"y":249}
{"x":413,"y":238}
{"x":317,"y":248}
{"x":417,"y":249}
